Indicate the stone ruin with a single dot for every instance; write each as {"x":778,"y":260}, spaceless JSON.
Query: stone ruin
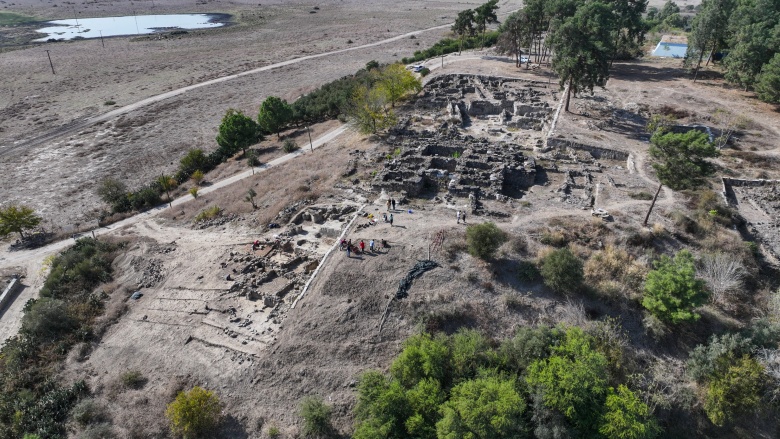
{"x":458,"y":165}
{"x":473,"y":136}
{"x":758,"y":202}
{"x":508,"y":102}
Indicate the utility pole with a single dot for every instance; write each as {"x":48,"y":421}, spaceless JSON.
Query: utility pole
{"x":137,"y":32}
{"x":101,"y":39}
{"x":311,"y":145}
{"x":50,"y":63}
{"x":442,"y":61}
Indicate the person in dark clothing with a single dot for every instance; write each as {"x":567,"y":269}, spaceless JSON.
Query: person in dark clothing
{"x":392,"y":200}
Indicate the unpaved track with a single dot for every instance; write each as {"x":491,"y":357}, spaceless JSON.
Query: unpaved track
{"x":75,"y":126}
{"x":31,"y":261}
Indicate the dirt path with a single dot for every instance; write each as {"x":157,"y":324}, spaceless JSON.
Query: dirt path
{"x":80,"y":125}
{"x":32,"y":261}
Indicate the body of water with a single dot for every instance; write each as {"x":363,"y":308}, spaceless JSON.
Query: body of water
{"x":670,"y":50}
{"x":128,"y":25}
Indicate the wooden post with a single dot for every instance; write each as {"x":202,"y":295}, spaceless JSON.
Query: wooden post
{"x":50,"y":63}
{"x":652,"y":204}
{"x":311,"y":145}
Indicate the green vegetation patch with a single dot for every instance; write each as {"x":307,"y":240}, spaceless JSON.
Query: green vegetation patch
{"x":34,"y":399}
{"x":12,"y":19}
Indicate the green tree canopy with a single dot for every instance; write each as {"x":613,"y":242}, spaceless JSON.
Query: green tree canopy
{"x":484,"y":408}
{"x":423,"y":357}
{"x":753,"y":38}
{"x":464,"y":26}
{"x":627,"y":417}
{"x":237,"y":132}
{"x":368,"y":110}
{"x":396,"y":82}
{"x":275,"y":113}
{"x":15,"y":218}
{"x":515,"y":35}
{"x":708,"y":30}
{"x":484,"y":240}
{"x":583,"y":45}
{"x":672,"y":290}
{"x":193,"y":414}
{"x":680,"y":158}
{"x":768,"y":85}
{"x":484,"y":15}
{"x":573,"y":380}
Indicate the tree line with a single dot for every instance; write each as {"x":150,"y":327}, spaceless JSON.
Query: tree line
{"x":747,"y":32}
{"x":582,"y":38}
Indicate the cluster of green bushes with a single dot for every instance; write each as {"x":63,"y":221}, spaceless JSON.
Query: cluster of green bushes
{"x":449,"y":45}
{"x":33,"y":400}
{"x":728,"y":368}
{"x":562,"y":382}
{"x":237,"y":133}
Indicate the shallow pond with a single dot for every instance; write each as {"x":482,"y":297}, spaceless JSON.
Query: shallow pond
{"x":128,"y":25}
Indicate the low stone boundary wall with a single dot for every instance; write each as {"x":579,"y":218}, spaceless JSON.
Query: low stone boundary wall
{"x":9,"y":292}
{"x":728,"y":182}
{"x":596,"y":151}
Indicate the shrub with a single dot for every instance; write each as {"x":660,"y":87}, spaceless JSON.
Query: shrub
{"x":483,"y":240}
{"x":672,"y":290}
{"x":194,"y":413}
{"x":109,"y":102}
{"x":112,"y":191}
{"x":194,"y":160}
{"x":98,"y":431}
{"x":486,"y":407}
{"x":705,"y":360}
{"x":197,"y":177}
{"x":194,"y":192}
{"x":145,"y":198}
{"x":527,"y":271}
{"x":613,"y":265}
{"x":725,"y":276}
{"x":273,"y":432}
{"x":133,"y":379}
{"x":87,"y":412}
{"x":290,"y":145}
{"x":425,"y":71}
{"x":562,"y":271}
{"x":47,"y":320}
{"x":641,"y":196}
{"x":527,"y":345}
{"x":423,"y":357}
{"x":208,"y":213}
{"x":627,"y":417}
{"x":734,"y":391}
{"x":555,"y":238}
{"x":252,"y":158}
{"x":316,"y":417}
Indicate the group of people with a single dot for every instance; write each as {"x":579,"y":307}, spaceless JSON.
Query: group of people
{"x":461,"y":216}
{"x":391,"y":204}
{"x":349,"y":247}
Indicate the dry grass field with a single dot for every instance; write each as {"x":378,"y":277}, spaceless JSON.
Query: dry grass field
{"x":219,"y":314}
